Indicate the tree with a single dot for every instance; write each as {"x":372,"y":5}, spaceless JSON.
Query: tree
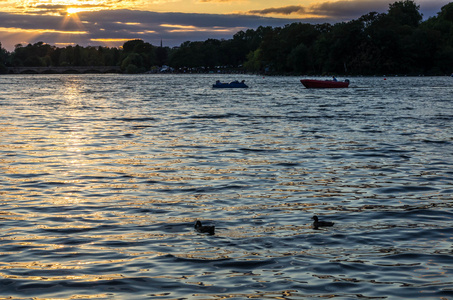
{"x":254,"y":61}
{"x":440,"y":32}
{"x":138,"y":53}
{"x":4,"y":59}
{"x":133,"y":45}
{"x":133,"y":63}
{"x":405,"y":13}
{"x":299,"y":59}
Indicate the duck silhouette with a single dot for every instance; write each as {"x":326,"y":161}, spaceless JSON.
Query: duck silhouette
{"x":317,"y":223}
{"x":204,"y":229}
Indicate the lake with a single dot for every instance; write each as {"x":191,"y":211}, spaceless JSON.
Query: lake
{"x":103,"y":177}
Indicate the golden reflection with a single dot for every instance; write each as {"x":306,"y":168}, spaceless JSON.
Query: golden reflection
{"x":90,"y":277}
{"x":259,"y":295}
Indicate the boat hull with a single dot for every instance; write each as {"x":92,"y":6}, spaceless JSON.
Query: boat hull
{"x":324,"y":84}
{"x":237,"y":85}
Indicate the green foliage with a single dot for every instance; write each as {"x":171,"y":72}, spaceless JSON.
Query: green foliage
{"x":254,"y":60}
{"x":131,"y":64}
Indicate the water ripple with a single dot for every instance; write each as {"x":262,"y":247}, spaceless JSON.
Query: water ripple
{"x":103,"y":176}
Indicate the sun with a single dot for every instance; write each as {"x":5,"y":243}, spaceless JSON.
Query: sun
{"x":73,"y":10}
{"x":72,"y":16}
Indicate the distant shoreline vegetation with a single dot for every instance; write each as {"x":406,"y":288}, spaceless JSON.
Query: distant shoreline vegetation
{"x":396,"y":42}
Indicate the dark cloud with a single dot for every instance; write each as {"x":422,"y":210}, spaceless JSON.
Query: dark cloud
{"x":344,"y":10}
{"x":50,"y":8}
{"x":339,"y":10}
{"x":352,"y":9}
{"x":286,"y":10}
{"x":29,"y":21}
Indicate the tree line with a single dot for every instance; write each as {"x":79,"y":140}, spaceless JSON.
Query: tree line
{"x":395,"y":42}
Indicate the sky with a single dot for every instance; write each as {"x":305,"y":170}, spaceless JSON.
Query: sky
{"x":172,"y":22}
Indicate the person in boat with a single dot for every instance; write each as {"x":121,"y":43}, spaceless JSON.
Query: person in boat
{"x":243,"y":81}
{"x":334,"y":79}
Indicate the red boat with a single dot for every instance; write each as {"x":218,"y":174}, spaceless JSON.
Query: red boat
{"x":324,"y":84}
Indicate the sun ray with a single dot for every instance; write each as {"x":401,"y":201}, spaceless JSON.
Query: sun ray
{"x":72,"y":16}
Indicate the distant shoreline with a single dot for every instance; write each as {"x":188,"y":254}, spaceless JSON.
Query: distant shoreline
{"x":113,"y":71}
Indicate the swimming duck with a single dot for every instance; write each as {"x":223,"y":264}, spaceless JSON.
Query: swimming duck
{"x":317,"y":223}
{"x":204,"y":229}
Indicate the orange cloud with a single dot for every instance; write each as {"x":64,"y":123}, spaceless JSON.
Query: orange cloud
{"x":206,"y":1}
{"x":61,"y":7}
{"x":39,"y":31}
{"x":110,"y":40}
{"x":191,"y":28}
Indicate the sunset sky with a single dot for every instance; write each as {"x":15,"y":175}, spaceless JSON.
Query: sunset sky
{"x":112,"y":22}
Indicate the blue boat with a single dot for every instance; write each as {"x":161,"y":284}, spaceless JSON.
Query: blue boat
{"x":232,"y":85}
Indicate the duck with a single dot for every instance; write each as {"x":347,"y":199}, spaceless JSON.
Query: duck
{"x":204,"y":229}
{"x":317,"y":223}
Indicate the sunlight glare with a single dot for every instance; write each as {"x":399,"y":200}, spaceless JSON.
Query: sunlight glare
{"x":72,"y":10}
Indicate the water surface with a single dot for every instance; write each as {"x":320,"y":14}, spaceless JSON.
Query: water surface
{"x":103,"y":176}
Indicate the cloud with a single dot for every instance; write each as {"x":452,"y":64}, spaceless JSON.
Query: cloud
{"x":173,"y":28}
{"x":163,"y":1}
{"x":113,"y":27}
{"x":39,"y":31}
{"x":55,"y":7}
{"x":226,"y":1}
{"x":286,"y":10}
{"x":344,"y":10}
